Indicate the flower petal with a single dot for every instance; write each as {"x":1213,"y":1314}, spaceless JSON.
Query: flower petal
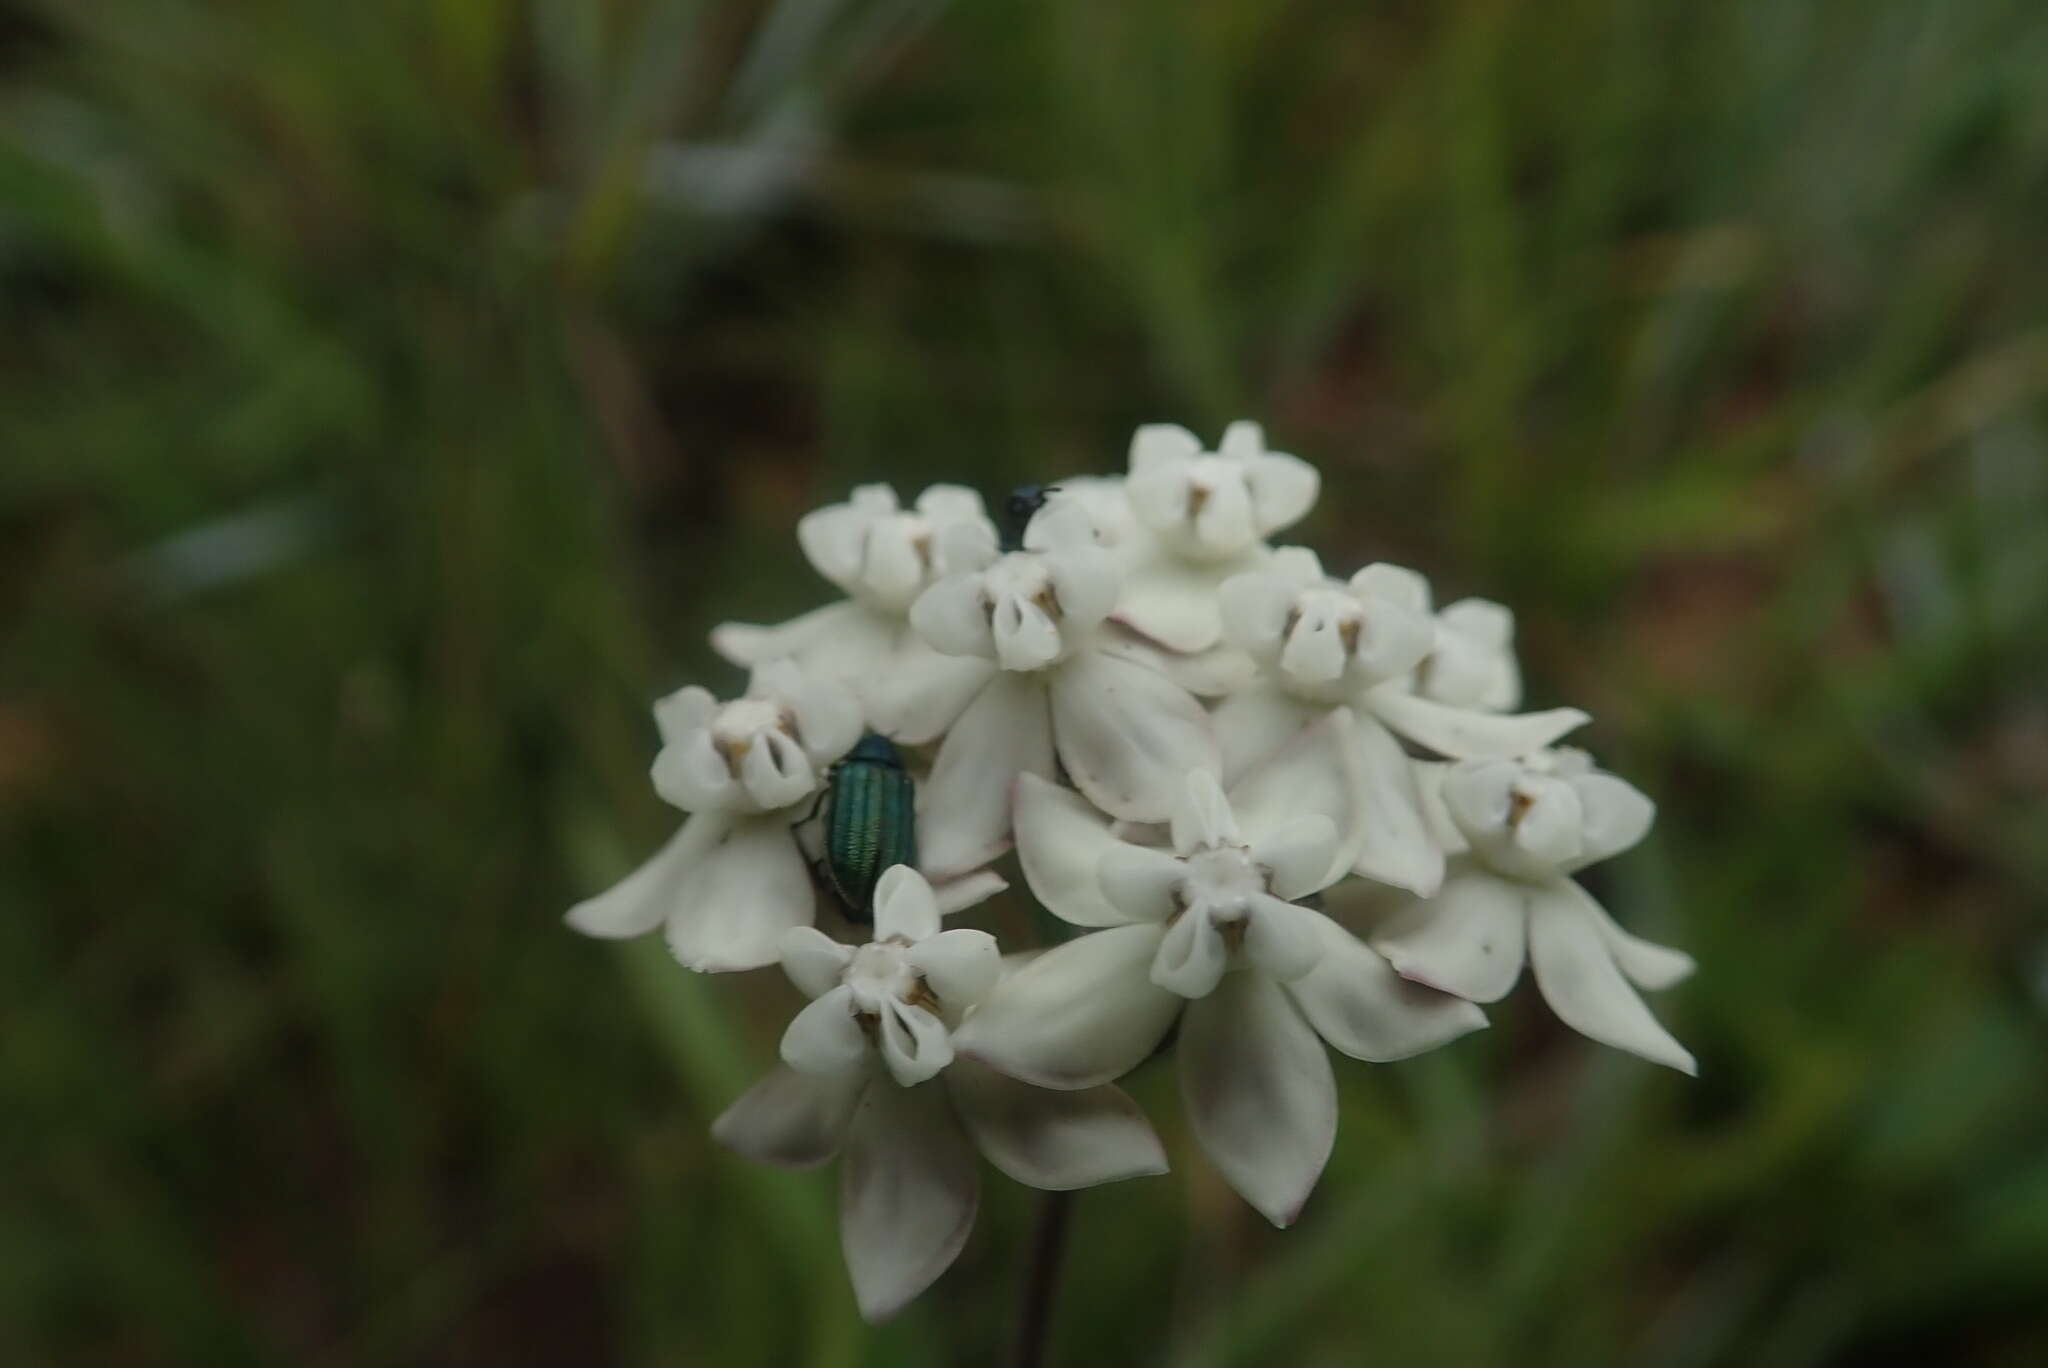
{"x":1298,"y":855}
{"x":1259,"y":1093}
{"x":957,"y":895}
{"x":952,"y":616}
{"x":1086,"y":581}
{"x":963,"y":818}
{"x":791,"y":1119}
{"x":1081,"y":1014}
{"x":1647,"y":964}
{"x":684,"y":712}
{"x":775,"y":771}
{"x":813,"y":960}
{"x":1192,"y":955}
{"x":1156,"y":445}
{"x":914,"y":1043}
{"x":690,"y":773}
{"x":825,"y":1039}
{"x":1280,"y":938}
{"x":960,"y":965}
{"x":1026,"y":637}
{"x":1128,"y":735}
{"x":1177,"y":611}
{"x":907,"y":1195}
{"x":748,"y":643}
{"x":749,"y":889}
{"x":1308,"y":775}
{"x":1061,"y":840}
{"x":1356,"y":1001}
{"x":1465,"y":735}
{"x":1283,"y":488}
{"x":828,"y":717}
{"x":1393,"y":840}
{"x":1617,"y":815}
{"x":1254,"y":608}
{"x":834,"y":538}
{"x":919,"y":692}
{"x":1576,"y":971}
{"x":1051,"y":1140}
{"x":1254,"y":725}
{"x":1467,"y":940}
{"x":645,"y":898}
{"x":1201,"y":815}
{"x":1138,"y":882}
{"x":904,"y":906}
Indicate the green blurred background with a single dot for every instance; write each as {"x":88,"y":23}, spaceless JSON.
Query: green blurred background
{"x":392,"y":392}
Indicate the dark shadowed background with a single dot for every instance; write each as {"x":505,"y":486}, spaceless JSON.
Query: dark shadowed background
{"x":392,"y":392}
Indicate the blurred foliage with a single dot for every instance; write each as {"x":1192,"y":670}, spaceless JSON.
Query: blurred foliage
{"x":392,"y":392}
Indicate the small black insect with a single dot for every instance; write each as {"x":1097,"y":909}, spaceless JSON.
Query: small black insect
{"x":870,"y":823}
{"x":1020,"y":505}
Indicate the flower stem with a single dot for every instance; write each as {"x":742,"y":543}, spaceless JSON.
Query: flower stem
{"x":1041,"y":1281}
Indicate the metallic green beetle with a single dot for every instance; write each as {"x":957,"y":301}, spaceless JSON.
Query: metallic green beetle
{"x":870,"y":823}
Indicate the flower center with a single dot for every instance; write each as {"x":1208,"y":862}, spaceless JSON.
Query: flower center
{"x":880,"y":974}
{"x":1221,"y":882}
{"x":743,"y":720}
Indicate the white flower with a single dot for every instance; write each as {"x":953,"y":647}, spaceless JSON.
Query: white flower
{"x":1471,"y":662}
{"x":1323,"y":642}
{"x":878,"y":1027}
{"x":1054,"y":683}
{"x":1215,"y":505}
{"x":732,"y":880}
{"x":1526,"y":826}
{"x":882,"y":556}
{"x":1207,"y":933}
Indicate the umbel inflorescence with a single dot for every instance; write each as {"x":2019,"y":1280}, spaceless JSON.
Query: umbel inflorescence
{"x":1188,"y":736}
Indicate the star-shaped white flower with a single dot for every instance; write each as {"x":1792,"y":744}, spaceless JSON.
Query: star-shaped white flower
{"x":1207,"y":933}
{"x":882,"y":556}
{"x":1521,"y":829}
{"x":732,"y":879}
{"x":1201,"y":518}
{"x":1054,"y":683}
{"x":1322,"y":643}
{"x":857,"y":1081}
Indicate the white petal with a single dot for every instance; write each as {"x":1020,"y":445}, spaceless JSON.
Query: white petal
{"x":747,"y":643}
{"x":1396,"y":584}
{"x":1252,"y":725}
{"x":1467,"y":940}
{"x":1462,"y":734}
{"x":1298,"y":855}
{"x":791,"y":1119}
{"x":1356,"y":1001}
{"x":775,"y":771}
{"x":1085,"y":580}
{"x":749,"y":889}
{"x":1061,"y":840}
{"x":920,"y":692}
{"x":1052,"y":1140}
{"x":963,"y":818}
{"x":1393,"y":840}
{"x":961,"y":548}
{"x":1081,"y":1014}
{"x":1280,"y":938}
{"x":907,"y":1195}
{"x":914,"y":1043}
{"x":813,"y":960}
{"x":951,"y":503}
{"x":834,"y":539}
{"x":828,"y":719}
{"x":1551,"y":827}
{"x":1176,"y":610}
{"x":825,"y":1039}
{"x":1617,"y":815}
{"x":1162,"y":444}
{"x":1392,"y":640}
{"x":645,"y":898}
{"x":960,"y":965}
{"x":957,"y":895}
{"x":1309,"y":775}
{"x":1128,"y":735}
{"x":1244,"y":440}
{"x":1192,"y":956}
{"x":1576,"y":971}
{"x":691,"y":774}
{"x":952,"y":616}
{"x":904,"y":906}
{"x":1314,"y":653}
{"x":1138,"y":883}
{"x":1224,"y":524}
{"x":1284,"y":489}
{"x":1254,"y":608}
{"x":1647,"y":964}
{"x":1026,"y":637}
{"x":1259,"y":1093}
{"x":686,"y":711}
{"x":1214,"y":673}
{"x":1201,"y":815}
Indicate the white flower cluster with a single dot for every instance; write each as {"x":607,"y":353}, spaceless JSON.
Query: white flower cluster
{"x":1187,"y":735}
